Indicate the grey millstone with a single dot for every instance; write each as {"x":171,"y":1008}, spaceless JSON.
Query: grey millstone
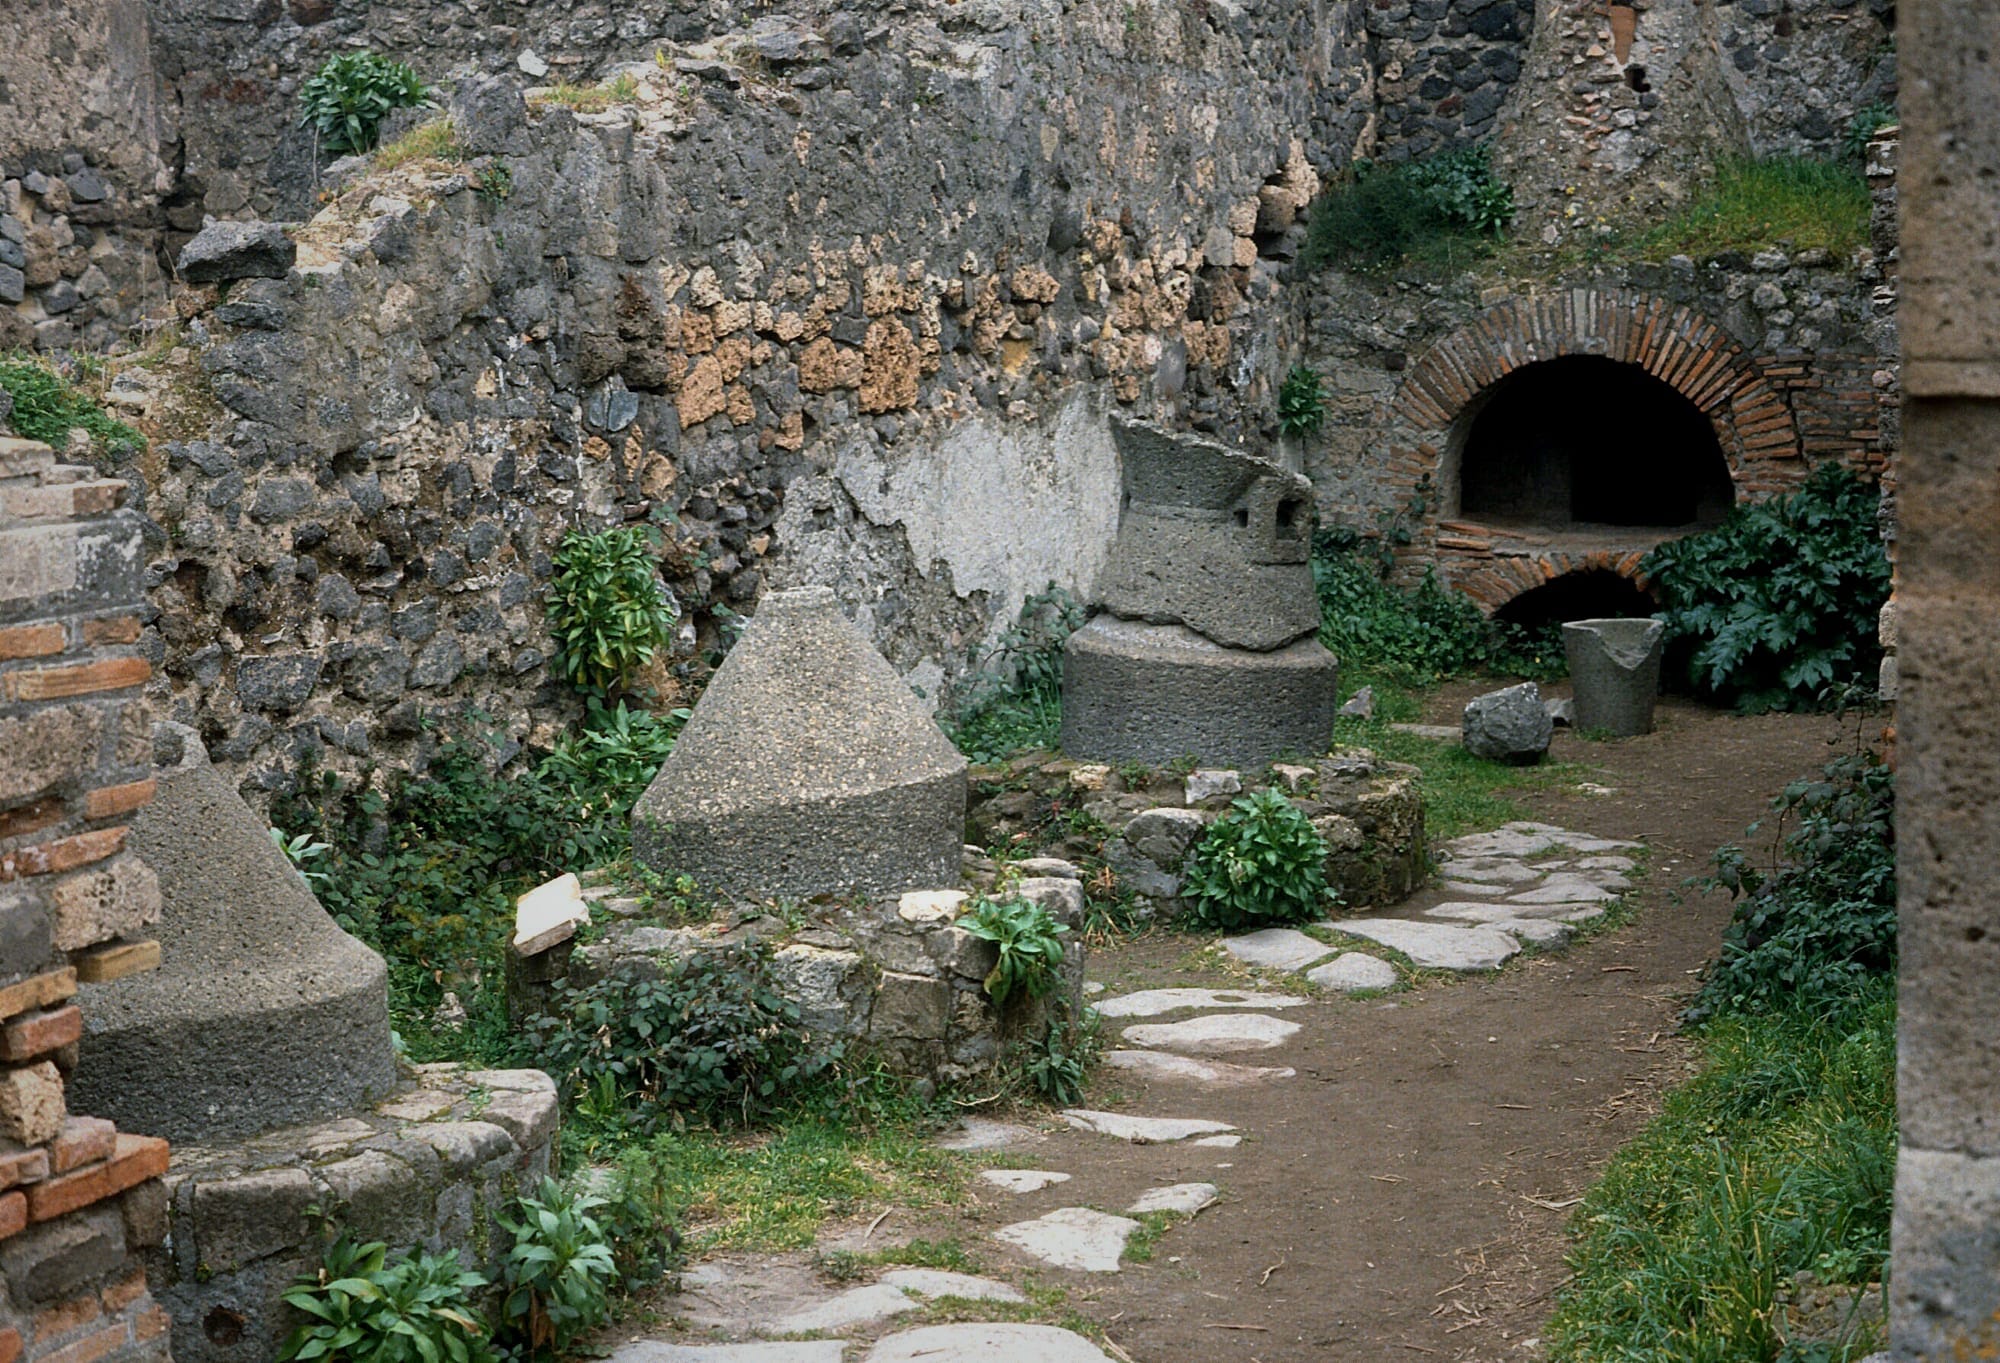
{"x":1157,"y":693}
{"x":659,"y":1351}
{"x":1071,"y":1237}
{"x":808,"y":767}
{"x":1125,"y":1126}
{"x":1211,"y":538}
{"x":1152,"y":1002}
{"x":1022,"y":1180}
{"x":237,"y":250}
{"x":987,"y":1343}
{"x":1277,"y":949}
{"x":1185,"y":1198}
{"x":1509,"y":725}
{"x":1353,"y":971}
{"x":1216,"y":1035}
{"x":263,"y":1013}
{"x":1614,"y":666}
{"x":1165,"y":1065}
{"x":1436,"y":945}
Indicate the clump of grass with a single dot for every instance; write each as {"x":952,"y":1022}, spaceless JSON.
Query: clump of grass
{"x":1778,"y":1158}
{"x":47,"y":407}
{"x":436,"y":140}
{"x":591,"y":99}
{"x":1442,"y":211}
{"x":1752,"y":205}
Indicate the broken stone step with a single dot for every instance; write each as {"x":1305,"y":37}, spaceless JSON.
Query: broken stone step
{"x":1165,"y":1065}
{"x":1216,"y":1034}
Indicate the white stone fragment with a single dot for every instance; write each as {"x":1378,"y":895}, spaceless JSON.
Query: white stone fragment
{"x":934,"y":1282}
{"x":1126,"y":1126}
{"x":1185,"y":1198}
{"x":1022,"y":1180}
{"x":549,"y":914}
{"x":930,"y":906}
{"x":1165,"y":1065}
{"x":1072,"y":1237}
{"x":1216,"y":1034}
{"x":1354,"y":970}
{"x":1229,"y":1142}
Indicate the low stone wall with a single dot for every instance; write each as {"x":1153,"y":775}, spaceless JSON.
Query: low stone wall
{"x":899,"y":981}
{"x":430,"y":1166}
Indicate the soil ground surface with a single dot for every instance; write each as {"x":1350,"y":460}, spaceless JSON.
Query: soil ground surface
{"x":1406,"y":1194}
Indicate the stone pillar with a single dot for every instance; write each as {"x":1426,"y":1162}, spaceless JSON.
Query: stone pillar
{"x":78,"y":1198}
{"x":1946,"y":1241}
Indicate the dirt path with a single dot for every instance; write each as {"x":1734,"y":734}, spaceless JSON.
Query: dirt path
{"x":1405,"y":1195}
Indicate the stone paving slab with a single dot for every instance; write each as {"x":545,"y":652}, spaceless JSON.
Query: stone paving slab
{"x":1218,"y":1034}
{"x":1461,"y":911}
{"x":1354,"y":970}
{"x":982,"y":1133}
{"x":1541,"y":932}
{"x":1152,"y":1002}
{"x":986,"y":1343}
{"x":1142,"y":1130}
{"x":1072,"y":1237}
{"x":659,"y":1351}
{"x":1229,"y":1142}
{"x":1277,"y":949}
{"x":1022,"y":1180}
{"x":1165,"y":1065}
{"x":1560,"y":889}
{"x":1438,"y":946}
{"x":1185,"y":1198}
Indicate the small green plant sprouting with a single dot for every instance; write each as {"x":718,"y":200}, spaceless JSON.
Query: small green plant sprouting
{"x":593,"y":99}
{"x":608,"y":763}
{"x":1261,"y":864}
{"x":345,"y":101}
{"x":1030,"y":943}
{"x":494,"y":184}
{"x":1058,"y":1062}
{"x":559,"y":1272}
{"x":365,"y":1308}
{"x":606,"y":608}
{"x":1868,"y":120}
{"x":301,"y":849}
{"x":1016,"y":701}
{"x":1301,"y":403}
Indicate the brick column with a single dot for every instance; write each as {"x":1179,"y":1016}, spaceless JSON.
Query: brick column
{"x":78,"y":1199}
{"x":1945,"y":1269}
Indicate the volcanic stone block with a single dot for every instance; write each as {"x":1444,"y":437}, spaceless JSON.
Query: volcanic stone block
{"x":263,"y":1013}
{"x":1510,"y":725}
{"x":1156,"y":693}
{"x":1211,"y":538}
{"x":808,"y":767}
{"x":237,"y":250}
{"x":1615,"y":667}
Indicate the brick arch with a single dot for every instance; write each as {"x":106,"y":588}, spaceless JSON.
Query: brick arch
{"x":1675,"y":344}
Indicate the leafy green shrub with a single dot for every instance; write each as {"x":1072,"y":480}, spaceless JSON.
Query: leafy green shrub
{"x":559,"y":1271}
{"x":1751,"y":205}
{"x":1448,"y":207}
{"x":638,"y":1216}
{"x":1261,"y":864}
{"x":363,"y":1308}
{"x":1822,"y":923}
{"x":1418,"y":635}
{"x":1779,"y":603}
{"x":1301,"y":404}
{"x":1029,"y":941}
{"x":711,"y":1038}
{"x":606,"y":607}
{"x":346,"y":100}
{"x":1015,"y":702}
{"x":608,"y":763}
{"x":47,"y":407}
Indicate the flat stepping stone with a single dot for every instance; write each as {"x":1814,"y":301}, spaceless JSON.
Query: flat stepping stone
{"x":1563,"y":890}
{"x":1071,"y":1237}
{"x":1438,"y":946}
{"x":983,"y":1133}
{"x":1605,"y":863}
{"x":1185,"y":1198}
{"x":1229,"y":1142}
{"x":936,"y":1282}
{"x":1354,"y":970}
{"x":1458,"y":911}
{"x":986,"y":1343}
{"x":1208,"y":1073}
{"x":1541,"y":932}
{"x":1276,"y":949}
{"x":1473,"y":887}
{"x":1148,"y":1003}
{"x":1141,"y":1130}
{"x":1217,"y":1034}
{"x":659,"y":1351}
{"x":1512,"y":844}
{"x":856,"y":1306}
{"x":1022,"y":1180}
{"x":1498,"y":871}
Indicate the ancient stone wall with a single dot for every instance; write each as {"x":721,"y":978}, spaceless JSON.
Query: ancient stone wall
{"x":1442,"y":70}
{"x":755,"y":305}
{"x":79,"y":1200}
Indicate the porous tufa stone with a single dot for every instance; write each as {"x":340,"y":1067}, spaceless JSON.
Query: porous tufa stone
{"x":808,"y":767}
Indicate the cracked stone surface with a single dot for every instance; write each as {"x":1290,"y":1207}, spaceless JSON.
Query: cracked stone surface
{"x":1466,"y":911}
{"x":1185,"y":1198}
{"x":1277,"y":949}
{"x":986,"y":1343}
{"x":1148,"y":1003}
{"x":1218,"y":1034}
{"x":1142,"y":1130}
{"x":1353,"y":970}
{"x":981,"y":1133}
{"x":1437,"y":946}
{"x":658,"y":1351}
{"x":1229,"y":1142}
{"x":1208,"y":1073}
{"x":1072,"y":1237}
{"x":1022,"y":1180}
